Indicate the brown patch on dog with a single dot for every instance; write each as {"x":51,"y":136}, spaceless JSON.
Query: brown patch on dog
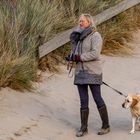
{"x":135,"y":101}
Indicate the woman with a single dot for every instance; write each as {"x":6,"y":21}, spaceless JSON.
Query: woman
{"x":87,"y":45}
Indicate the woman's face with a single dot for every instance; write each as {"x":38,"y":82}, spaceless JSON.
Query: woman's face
{"x":83,"y":22}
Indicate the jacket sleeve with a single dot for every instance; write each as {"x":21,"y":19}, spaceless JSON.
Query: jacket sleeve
{"x":96,"y":47}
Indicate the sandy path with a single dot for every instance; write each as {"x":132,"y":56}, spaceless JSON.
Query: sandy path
{"x":52,"y":111}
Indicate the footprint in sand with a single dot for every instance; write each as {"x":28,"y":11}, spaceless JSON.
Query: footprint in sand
{"x":24,"y":130}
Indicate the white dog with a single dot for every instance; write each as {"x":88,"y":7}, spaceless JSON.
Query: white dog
{"x":133,"y":102}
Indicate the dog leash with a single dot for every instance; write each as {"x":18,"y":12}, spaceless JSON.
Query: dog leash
{"x":69,"y":68}
{"x":114,"y":89}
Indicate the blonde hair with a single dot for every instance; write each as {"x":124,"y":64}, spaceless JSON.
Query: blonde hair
{"x":89,"y":19}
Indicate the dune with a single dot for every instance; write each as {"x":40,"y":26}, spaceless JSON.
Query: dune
{"x":51,"y":111}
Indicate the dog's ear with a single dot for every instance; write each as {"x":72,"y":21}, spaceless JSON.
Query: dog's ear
{"x":134,"y":102}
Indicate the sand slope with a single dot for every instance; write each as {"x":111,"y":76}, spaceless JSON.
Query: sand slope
{"x":51,"y":112}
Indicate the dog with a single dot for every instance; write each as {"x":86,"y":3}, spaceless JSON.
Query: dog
{"x":133,"y":102}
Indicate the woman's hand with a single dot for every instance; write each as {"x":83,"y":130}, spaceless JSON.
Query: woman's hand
{"x":74,"y":58}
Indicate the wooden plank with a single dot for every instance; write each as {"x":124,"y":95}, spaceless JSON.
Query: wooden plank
{"x":57,"y":41}
{"x":113,"y":11}
{"x":62,"y":38}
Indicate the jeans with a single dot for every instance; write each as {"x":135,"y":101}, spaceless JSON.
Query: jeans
{"x":96,"y":93}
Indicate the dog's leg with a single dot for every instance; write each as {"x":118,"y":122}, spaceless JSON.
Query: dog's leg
{"x":133,"y":125}
{"x":139,"y":127}
{"x":139,"y":123}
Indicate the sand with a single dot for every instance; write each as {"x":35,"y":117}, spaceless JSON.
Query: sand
{"x":51,"y":111}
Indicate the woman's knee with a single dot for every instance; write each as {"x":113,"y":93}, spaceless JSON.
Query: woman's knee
{"x":83,"y":93}
{"x":84,"y":103}
{"x":96,"y":92}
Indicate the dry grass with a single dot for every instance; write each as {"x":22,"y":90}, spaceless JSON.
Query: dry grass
{"x":52,"y":60}
{"x":118,"y":31}
{"x":15,"y":71}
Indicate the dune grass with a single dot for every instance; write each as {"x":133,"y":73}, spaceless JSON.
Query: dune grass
{"x":119,"y":30}
{"x":24,"y":25}
{"x":27,"y":24}
{"x":17,"y":72}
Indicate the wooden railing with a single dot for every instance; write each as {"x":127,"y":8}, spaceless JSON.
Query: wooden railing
{"x":62,"y":38}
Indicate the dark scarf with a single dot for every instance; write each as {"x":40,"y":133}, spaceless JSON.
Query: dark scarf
{"x":79,"y":35}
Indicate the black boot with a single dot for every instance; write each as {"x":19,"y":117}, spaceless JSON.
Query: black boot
{"x":84,"y":122}
{"x":105,"y":121}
